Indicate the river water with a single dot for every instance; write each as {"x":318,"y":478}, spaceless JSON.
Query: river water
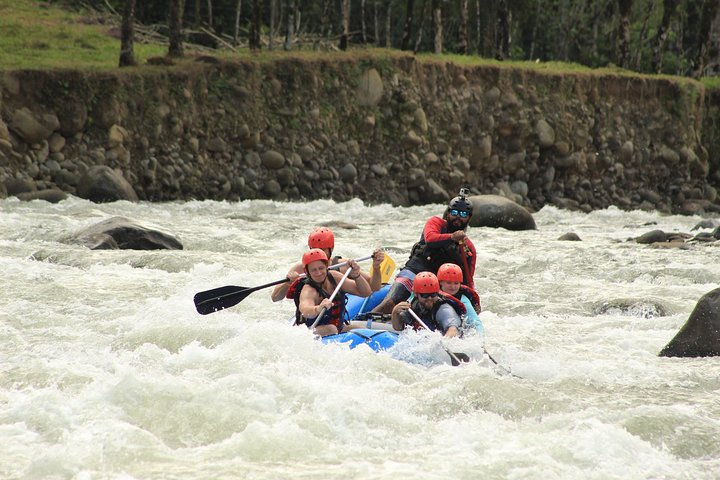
{"x":107,"y":371}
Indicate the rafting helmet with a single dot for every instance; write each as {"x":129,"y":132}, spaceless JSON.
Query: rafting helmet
{"x":313,"y":256}
{"x":449,"y":272}
{"x":461,"y":202}
{"x":426,"y":282}
{"x":321,"y":237}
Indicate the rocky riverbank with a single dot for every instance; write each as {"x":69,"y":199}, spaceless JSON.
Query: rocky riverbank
{"x":392,"y":129}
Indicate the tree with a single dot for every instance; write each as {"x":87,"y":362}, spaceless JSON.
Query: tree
{"x":127,"y":34}
{"x":502,"y":33}
{"x":463,"y":40}
{"x":709,"y":11}
{"x":624,"y":9}
{"x":669,"y":9}
{"x":290,"y":25}
{"x":408,"y":27}
{"x":254,"y":41}
{"x":175,"y":48}
{"x":345,"y":36}
{"x":437,"y":26}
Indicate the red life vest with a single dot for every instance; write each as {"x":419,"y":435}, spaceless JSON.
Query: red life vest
{"x":334,"y":316}
{"x":472,"y":295}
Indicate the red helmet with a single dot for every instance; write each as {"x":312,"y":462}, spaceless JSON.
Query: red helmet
{"x":313,"y":256}
{"x":426,"y":282}
{"x":321,"y":237}
{"x":449,"y":272}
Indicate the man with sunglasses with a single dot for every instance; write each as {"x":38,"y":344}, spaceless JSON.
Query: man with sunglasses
{"x":443,"y":240}
{"x":438,"y":311}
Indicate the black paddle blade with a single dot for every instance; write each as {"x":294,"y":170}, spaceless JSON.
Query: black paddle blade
{"x":456,"y":358}
{"x":220,"y":298}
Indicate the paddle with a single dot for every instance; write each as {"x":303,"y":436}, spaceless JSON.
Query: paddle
{"x":387,"y":268}
{"x":332,"y":297}
{"x":455,"y":358}
{"x":221,"y":298}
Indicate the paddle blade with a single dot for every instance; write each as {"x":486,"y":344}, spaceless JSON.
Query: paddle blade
{"x":387,"y":268}
{"x":220,"y":298}
{"x":457,"y":358}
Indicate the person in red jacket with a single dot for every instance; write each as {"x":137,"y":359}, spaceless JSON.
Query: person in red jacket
{"x":443,"y":240}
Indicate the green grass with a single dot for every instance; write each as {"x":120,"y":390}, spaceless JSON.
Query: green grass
{"x":34,"y":35}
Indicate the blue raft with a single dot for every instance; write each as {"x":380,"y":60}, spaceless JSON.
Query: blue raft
{"x":376,"y":339}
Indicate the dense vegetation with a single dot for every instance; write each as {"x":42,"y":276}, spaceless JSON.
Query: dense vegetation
{"x":678,"y":37}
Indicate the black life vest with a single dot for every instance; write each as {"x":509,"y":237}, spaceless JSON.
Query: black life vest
{"x":425,"y":258}
{"x":457,"y":305}
{"x":334,"y":316}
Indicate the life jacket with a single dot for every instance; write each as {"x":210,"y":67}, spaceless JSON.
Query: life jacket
{"x":334,"y":316}
{"x":472,"y":295}
{"x":444,"y":298}
{"x":424,"y":258}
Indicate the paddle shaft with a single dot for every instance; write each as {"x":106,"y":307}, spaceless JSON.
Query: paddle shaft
{"x":221,"y":298}
{"x":332,"y":297}
{"x":456,"y":360}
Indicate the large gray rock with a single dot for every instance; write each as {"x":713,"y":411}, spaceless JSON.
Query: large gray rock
{"x":700,"y":336}
{"x":101,"y":183}
{"x":499,"y":212}
{"x":123,"y":233}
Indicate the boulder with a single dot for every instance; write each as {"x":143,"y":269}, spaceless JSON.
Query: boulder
{"x":123,"y":233}
{"x":52,"y":195}
{"x":499,"y":212}
{"x":101,"y":183}
{"x":700,"y":336}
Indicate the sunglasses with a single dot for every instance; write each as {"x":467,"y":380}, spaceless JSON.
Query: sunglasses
{"x":426,"y":295}
{"x":462,"y":213}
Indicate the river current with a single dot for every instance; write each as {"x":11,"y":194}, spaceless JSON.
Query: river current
{"x":108,"y":372}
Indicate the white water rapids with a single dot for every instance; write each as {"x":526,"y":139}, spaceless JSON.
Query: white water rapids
{"x":108,"y":372}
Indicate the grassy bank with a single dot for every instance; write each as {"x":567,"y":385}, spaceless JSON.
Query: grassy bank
{"x":36,"y":35}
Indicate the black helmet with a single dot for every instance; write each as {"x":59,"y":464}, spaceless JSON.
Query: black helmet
{"x":461,"y":202}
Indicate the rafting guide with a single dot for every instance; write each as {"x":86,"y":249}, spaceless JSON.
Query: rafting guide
{"x":443,"y":240}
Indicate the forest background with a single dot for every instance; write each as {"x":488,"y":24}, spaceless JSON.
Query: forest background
{"x":676,"y":37}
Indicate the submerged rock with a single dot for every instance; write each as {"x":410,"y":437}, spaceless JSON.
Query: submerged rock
{"x":123,"y":233}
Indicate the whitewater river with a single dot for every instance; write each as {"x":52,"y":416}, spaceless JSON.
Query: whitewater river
{"x":108,"y":372}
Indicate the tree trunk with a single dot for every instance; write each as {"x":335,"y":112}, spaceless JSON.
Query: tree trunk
{"x":271,"y":30}
{"x":325,"y":23}
{"x":363,"y":28}
{"x":709,"y":11}
{"x":255,"y":26}
{"x":127,"y":34}
{"x":463,"y":40}
{"x":196,"y":16}
{"x":437,"y":26}
{"x":388,"y":26}
{"x":418,"y":40}
{"x":344,"y":37}
{"x":478,"y":29}
{"x":641,"y":41}
{"x":236,"y":31}
{"x":669,"y":9}
{"x":210,"y":13}
{"x":290,"y":25}
{"x":502,"y":34}
{"x":175,"y":48}
{"x":624,"y":8}
{"x":376,"y":23}
{"x":407,"y":29}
